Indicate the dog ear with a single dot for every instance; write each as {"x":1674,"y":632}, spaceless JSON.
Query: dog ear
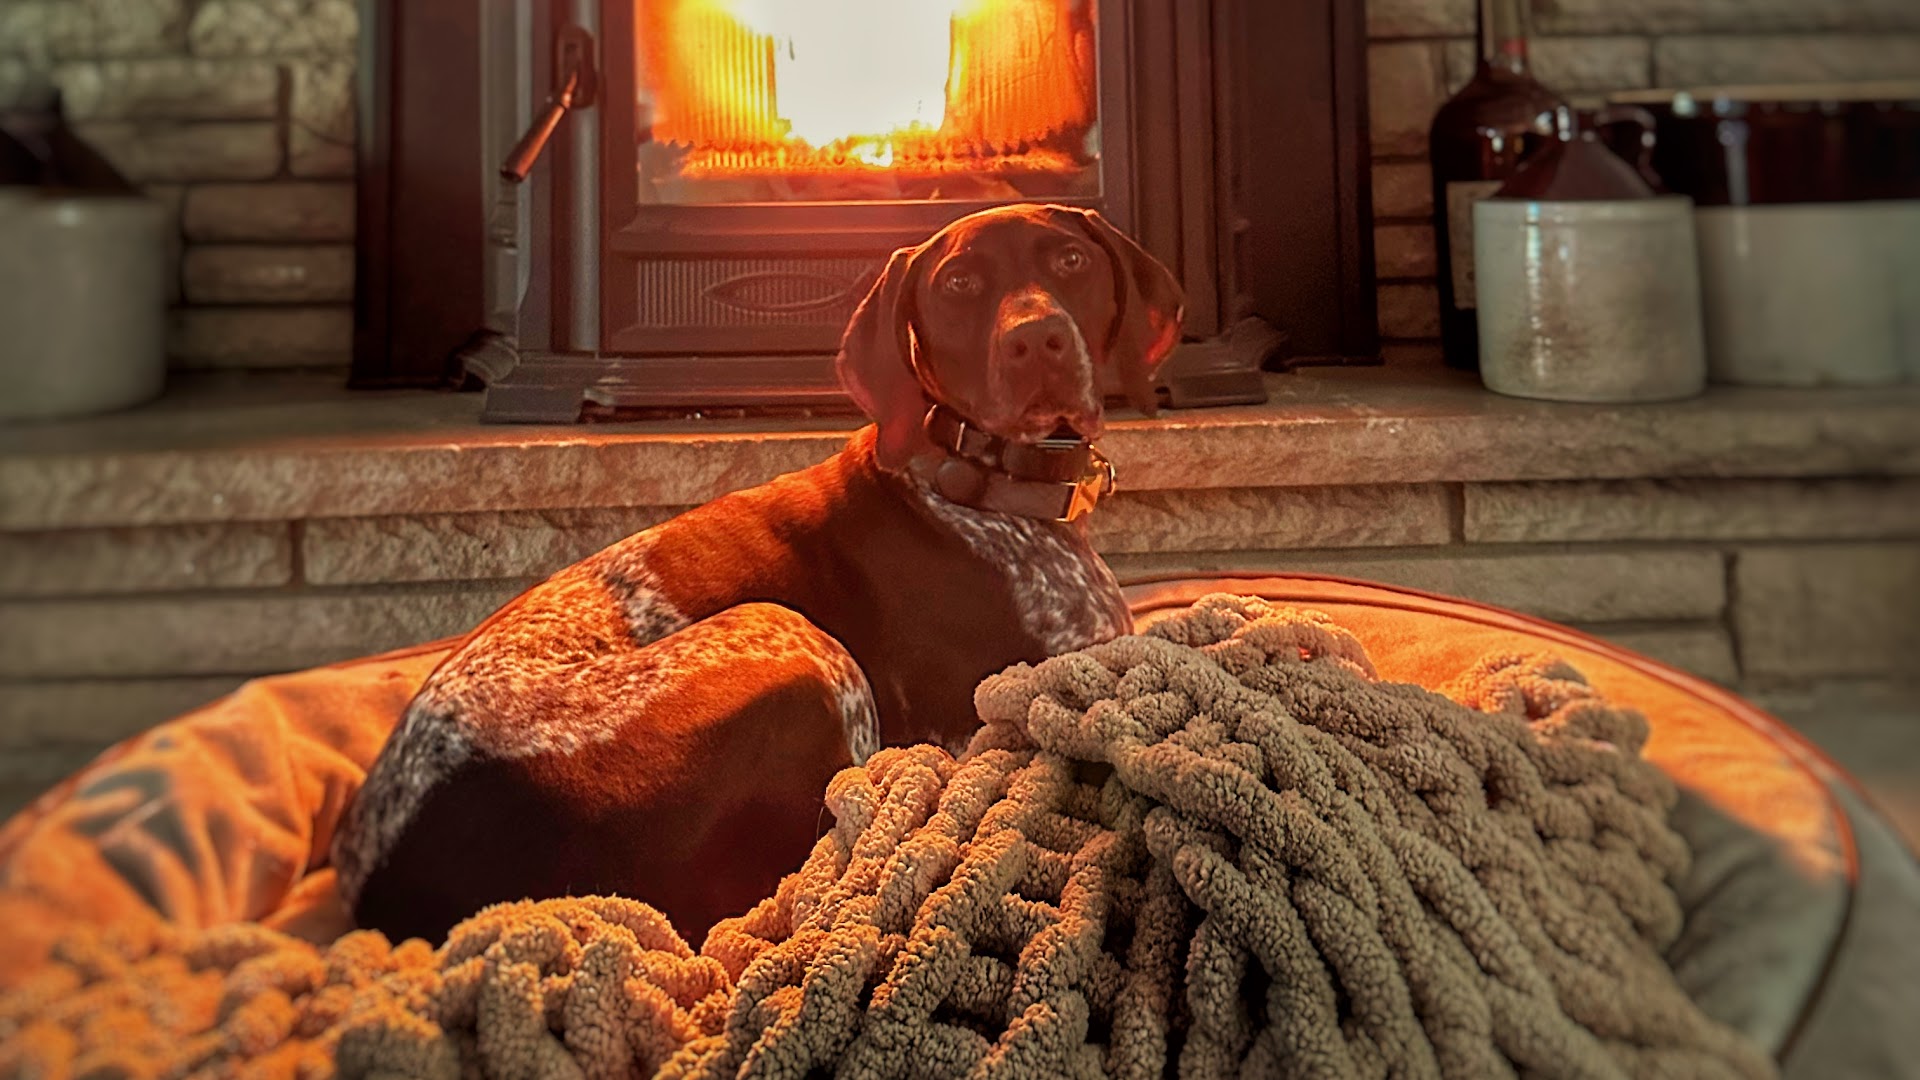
{"x":876,"y":361}
{"x":1151,"y":307}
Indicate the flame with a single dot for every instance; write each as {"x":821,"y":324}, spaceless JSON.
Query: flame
{"x":780,"y":85}
{"x":850,"y":68}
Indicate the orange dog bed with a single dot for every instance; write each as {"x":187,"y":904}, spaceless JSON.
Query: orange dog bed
{"x":1798,"y":907}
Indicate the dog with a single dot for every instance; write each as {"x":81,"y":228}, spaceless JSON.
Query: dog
{"x":660,"y":721}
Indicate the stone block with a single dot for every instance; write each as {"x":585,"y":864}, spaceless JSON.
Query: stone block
{"x":1249,"y":519}
{"x":1827,"y":610}
{"x":1574,"y":587}
{"x":1705,"y":651}
{"x":94,"y":714}
{"x":49,"y":30}
{"x":1742,"y":16}
{"x":320,"y":127}
{"x":1404,"y":251}
{"x":21,"y":83}
{"x":1866,"y":508}
{"x":352,"y":551}
{"x":148,"y":637}
{"x":1570,"y":66}
{"x":1402,"y":190}
{"x":1405,"y":81}
{"x":1459,"y":60}
{"x":1419,"y":18}
{"x":310,"y":448}
{"x":173,"y":197}
{"x":168,"y":558}
{"x":1794,"y":58}
{"x":261,"y":337}
{"x":269,"y":213}
{"x":181,"y":153}
{"x":1413,"y":353}
{"x":26,"y":774}
{"x":269,"y":275}
{"x":173,"y":88}
{"x":275,"y":28}
{"x":1409,"y":311}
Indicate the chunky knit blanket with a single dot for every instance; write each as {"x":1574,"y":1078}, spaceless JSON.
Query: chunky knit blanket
{"x":1222,"y":848}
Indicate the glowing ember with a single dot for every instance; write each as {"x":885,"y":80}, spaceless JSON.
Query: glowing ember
{"x":927,"y":86}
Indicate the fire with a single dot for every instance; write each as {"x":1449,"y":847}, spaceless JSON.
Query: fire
{"x":787,"y":86}
{"x":853,"y":68}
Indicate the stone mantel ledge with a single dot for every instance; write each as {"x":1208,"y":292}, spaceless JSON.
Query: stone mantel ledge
{"x":296,"y":447}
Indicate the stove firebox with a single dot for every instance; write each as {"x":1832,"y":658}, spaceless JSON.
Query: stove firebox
{"x":692,"y":195}
{"x":850,"y":101}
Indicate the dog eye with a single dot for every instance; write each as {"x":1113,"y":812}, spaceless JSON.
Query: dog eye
{"x":962,"y":283}
{"x":1070,"y":260}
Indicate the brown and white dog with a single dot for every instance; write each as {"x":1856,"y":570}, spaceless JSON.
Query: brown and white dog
{"x":660,"y":721}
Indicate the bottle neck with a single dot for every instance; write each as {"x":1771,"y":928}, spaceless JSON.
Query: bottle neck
{"x":1503,"y":35}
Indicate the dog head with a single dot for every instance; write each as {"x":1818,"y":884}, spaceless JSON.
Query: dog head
{"x":1020,"y":318}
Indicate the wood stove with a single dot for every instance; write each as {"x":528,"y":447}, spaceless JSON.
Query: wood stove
{"x":676,"y":204}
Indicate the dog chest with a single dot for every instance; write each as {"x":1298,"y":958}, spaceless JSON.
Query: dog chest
{"x":1061,"y":590}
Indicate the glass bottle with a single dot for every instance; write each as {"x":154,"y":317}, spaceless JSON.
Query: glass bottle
{"x":1479,"y":138}
{"x":38,"y":148}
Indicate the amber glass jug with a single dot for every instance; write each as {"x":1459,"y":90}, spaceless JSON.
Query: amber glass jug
{"x":1478,"y":141}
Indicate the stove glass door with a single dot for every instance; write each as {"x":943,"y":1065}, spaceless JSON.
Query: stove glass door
{"x":834,"y":101}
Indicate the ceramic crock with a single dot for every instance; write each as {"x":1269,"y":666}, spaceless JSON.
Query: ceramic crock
{"x":83,"y":300}
{"x":1594,"y":301}
{"x":1809,"y":226}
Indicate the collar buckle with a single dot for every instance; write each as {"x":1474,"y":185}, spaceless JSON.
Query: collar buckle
{"x":1087,"y":492}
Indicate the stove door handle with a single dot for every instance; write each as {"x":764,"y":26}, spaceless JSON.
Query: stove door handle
{"x":573,"y":64}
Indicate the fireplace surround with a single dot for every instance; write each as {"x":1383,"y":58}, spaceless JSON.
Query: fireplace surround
{"x":676,"y":246}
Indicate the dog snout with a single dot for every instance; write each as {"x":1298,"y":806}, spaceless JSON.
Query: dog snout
{"x":1045,"y":339}
{"x":1032,"y":328}
{"x":1041,"y":371}
{"x":1039,"y":339}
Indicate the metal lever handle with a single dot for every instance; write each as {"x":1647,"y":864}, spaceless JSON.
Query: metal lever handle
{"x":527,"y":151}
{"x":573,"y":65}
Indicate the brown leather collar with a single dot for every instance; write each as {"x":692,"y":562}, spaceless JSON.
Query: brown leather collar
{"x":1051,"y":480}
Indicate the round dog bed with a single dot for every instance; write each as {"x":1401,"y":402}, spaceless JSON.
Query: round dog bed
{"x":1797,"y":904}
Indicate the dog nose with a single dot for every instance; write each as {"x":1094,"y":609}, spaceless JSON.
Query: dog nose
{"x":1046,"y":338}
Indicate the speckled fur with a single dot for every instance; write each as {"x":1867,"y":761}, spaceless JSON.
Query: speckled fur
{"x":426,"y":747}
{"x":853,"y":701}
{"x":551,"y":681}
{"x":648,"y":611}
{"x":1064,"y":593}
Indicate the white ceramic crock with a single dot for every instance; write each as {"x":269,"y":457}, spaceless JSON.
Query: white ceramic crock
{"x":83,"y":303}
{"x":1812,"y":294}
{"x":1903,"y":246}
{"x":1589,"y":301}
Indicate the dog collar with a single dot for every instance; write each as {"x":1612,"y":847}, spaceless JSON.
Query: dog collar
{"x":1052,"y":479}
